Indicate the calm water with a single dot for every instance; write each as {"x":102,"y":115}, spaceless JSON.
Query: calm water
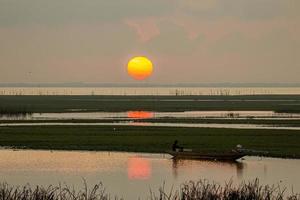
{"x":132,"y":174}
{"x":129,"y":116}
{"x":147,"y":90}
{"x":154,"y":115}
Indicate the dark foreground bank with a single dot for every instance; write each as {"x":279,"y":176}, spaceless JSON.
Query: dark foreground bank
{"x":202,"y":189}
{"x":273,"y":143}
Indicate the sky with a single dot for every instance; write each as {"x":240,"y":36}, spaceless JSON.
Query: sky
{"x":188,"y":41}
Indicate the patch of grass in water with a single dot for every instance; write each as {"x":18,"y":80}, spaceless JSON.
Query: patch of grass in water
{"x":280,"y":103}
{"x":278,"y":143}
{"x":14,"y":111}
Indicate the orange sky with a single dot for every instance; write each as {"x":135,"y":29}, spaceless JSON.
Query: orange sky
{"x":188,"y":41}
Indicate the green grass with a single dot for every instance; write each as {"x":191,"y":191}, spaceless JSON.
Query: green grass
{"x":40,"y":104}
{"x":279,"y":143}
{"x":271,"y":122}
{"x":267,"y":122}
{"x":14,"y":111}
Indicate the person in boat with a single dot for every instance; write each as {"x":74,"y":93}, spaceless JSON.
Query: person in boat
{"x":176,"y":147}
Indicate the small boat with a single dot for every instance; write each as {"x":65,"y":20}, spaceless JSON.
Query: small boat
{"x":226,"y":156}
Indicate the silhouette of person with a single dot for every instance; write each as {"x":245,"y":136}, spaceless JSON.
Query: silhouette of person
{"x":176,"y":147}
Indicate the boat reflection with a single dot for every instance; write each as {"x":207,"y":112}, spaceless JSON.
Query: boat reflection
{"x":227,"y":166}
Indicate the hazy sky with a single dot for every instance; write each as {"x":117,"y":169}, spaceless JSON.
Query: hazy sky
{"x":189,"y":41}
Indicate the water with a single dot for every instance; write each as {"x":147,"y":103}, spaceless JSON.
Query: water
{"x":130,"y":115}
{"x":147,"y":90}
{"x":155,"y":115}
{"x":131,"y":175}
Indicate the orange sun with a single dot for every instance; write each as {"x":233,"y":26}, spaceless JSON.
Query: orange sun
{"x":139,"y":68}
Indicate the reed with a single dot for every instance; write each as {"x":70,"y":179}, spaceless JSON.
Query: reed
{"x":121,"y":103}
{"x":14,"y":111}
{"x":51,"y":192}
{"x":201,"y":190}
{"x":205,"y":190}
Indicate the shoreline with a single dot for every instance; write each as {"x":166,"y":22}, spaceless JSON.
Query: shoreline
{"x":12,"y":148}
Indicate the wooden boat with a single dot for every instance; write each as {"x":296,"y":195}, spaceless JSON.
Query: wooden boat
{"x":226,"y":156}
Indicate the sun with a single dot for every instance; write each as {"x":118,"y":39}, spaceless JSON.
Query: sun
{"x":140,"y":68}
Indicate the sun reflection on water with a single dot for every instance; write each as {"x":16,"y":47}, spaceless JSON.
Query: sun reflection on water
{"x":140,"y":114}
{"x":139,"y":168}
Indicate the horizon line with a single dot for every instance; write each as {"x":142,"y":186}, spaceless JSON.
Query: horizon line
{"x":84,"y":84}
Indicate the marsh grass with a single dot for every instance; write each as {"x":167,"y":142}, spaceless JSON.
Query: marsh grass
{"x":14,"y":111}
{"x":123,"y":103}
{"x":51,"y":192}
{"x":278,"y":143}
{"x":201,"y":190}
{"x":205,"y":190}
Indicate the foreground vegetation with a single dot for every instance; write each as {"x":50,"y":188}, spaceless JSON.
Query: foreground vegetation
{"x":40,"y":104}
{"x":201,"y":190}
{"x":276,"y":143}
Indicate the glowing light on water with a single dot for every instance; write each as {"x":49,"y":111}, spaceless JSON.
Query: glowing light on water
{"x":140,"y":114}
{"x":138,"y":168}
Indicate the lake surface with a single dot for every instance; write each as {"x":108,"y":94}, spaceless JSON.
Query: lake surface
{"x":131,"y":175}
{"x":155,"y":115}
{"x":147,"y":90}
{"x":129,"y":116}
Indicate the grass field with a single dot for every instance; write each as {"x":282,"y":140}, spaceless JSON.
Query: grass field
{"x":278,"y":143}
{"x":272,"y":122}
{"x":267,"y":122}
{"x":40,"y":104}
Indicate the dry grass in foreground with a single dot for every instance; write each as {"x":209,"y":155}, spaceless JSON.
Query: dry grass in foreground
{"x":201,"y":190}
{"x":204,"y":190}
